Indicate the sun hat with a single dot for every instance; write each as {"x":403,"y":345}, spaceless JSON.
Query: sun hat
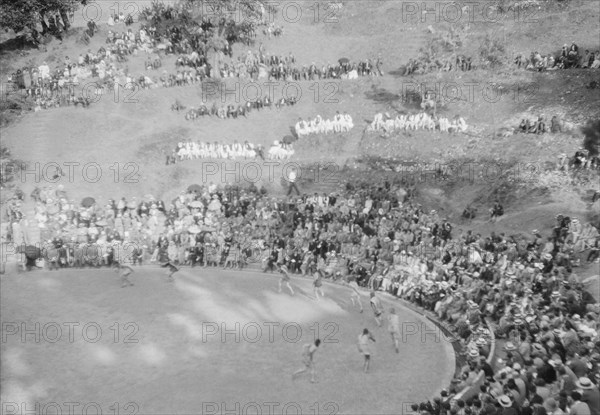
{"x":584,"y":383}
{"x":473,"y":353}
{"x":538,"y":348}
{"x":509,"y":347}
{"x":505,"y":401}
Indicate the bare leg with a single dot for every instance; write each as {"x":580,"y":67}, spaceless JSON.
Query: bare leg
{"x":299,"y":372}
{"x":357,"y":297}
{"x":125,"y":281}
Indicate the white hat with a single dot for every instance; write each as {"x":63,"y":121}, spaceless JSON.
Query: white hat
{"x":584,"y":383}
{"x":505,"y":401}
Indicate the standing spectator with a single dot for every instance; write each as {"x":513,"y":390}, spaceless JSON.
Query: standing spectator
{"x":590,"y":395}
{"x":292,"y":177}
{"x":577,"y":407}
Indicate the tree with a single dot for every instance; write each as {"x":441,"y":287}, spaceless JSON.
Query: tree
{"x":591,"y":140}
{"x":214,"y":23}
{"x":20,"y":15}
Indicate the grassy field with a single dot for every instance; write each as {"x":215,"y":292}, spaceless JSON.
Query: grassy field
{"x":163,"y":347}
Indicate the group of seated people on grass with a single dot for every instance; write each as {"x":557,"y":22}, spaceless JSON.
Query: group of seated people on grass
{"x":569,"y":57}
{"x":194,"y":150}
{"x":339,"y":123}
{"x":579,"y":160}
{"x":231,"y":110}
{"x":421,"y":66}
{"x":420,"y":121}
{"x":260,"y":64}
{"x":541,"y":126}
{"x":63,"y":85}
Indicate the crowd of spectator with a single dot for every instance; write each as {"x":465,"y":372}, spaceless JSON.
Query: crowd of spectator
{"x":580,"y":160}
{"x":525,"y":287}
{"x":421,"y":66}
{"x":420,"y":121}
{"x":569,"y":57}
{"x":339,"y":123}
{"x":540,"y":126}
{"x":195,"y":150}
{"x":60,"y":87}
{"x":193,"y":67}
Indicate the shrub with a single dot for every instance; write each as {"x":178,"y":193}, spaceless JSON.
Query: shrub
{"x":591,"y":140}
{"x":492,"y":51}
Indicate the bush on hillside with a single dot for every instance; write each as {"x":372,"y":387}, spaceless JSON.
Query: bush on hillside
{"x":492,"y":51}
{"x":9,"y":167}
{"x":440,"y":44}
{"x":591,"y":140}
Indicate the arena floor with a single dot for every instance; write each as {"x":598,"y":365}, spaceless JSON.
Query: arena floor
{"x":80,"y":349}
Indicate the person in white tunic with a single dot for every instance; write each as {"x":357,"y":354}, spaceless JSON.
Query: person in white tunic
{"x":308,"y":355}
{"x":364,"y":348}
{"x":394,"y":328}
